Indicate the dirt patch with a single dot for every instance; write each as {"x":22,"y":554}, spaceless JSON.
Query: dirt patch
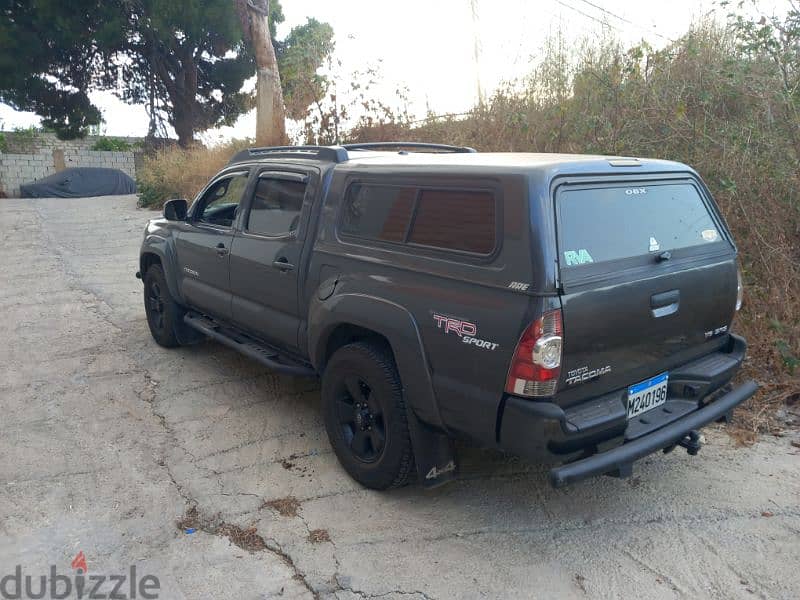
{"x":191,"y":520}
{"x":245,"y":538}
{"x":286,"y":507}
{"x":318,"y":536}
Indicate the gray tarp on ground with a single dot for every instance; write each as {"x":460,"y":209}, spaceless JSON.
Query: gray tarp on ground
{"x":78,"y":182}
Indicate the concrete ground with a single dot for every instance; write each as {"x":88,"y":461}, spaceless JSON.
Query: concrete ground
{"x":108,"y":440}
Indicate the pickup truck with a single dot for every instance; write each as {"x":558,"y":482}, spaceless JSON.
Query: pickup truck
{"x":569,"y":309}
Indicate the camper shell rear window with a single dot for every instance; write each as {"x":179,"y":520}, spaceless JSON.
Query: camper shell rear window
{"x":604,"y":223}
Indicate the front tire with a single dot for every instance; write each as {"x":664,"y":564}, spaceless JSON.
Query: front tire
{"x":365,"y":416}
{"x":164,"y":315}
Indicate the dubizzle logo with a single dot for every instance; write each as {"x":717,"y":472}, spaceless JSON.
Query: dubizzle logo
{"x":79,"y":562}
{"x":21,"y":586}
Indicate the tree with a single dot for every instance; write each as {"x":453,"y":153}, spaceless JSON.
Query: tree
{"x":270,"y":113}
{"x":774,"y":42}
{"x":187,"y":61}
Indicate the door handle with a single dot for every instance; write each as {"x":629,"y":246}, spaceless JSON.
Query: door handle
{"x":282,"y":264}
{"x":221,"y":250}
{"x":665,"y":304}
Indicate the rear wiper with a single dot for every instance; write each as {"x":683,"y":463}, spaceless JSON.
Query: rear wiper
{"x":666,"y":255}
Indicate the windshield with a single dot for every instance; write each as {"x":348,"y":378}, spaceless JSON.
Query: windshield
{"x":611,"y":223}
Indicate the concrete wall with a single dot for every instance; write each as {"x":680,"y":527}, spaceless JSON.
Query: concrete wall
{"x":29,"y":158}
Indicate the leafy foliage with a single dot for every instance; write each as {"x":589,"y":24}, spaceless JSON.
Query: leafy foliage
{"x":111,"y":144}
{"x":187,"y":61}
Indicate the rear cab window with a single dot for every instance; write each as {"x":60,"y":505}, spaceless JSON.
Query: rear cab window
{"x":608,"y":226}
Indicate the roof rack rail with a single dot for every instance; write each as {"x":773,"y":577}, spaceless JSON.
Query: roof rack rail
{"x":421,"y":146}
{"x":330,"y":153}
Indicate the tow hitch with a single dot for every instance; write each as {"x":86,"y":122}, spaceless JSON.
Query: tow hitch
{"x":691,"y":441}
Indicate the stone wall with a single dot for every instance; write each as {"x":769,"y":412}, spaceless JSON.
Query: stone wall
{"x":33,"y":143}
{"x":29,"y":158}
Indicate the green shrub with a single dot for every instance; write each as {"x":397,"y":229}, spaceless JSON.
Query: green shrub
{"x":110,"y":144}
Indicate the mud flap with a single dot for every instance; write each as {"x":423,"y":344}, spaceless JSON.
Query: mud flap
{"x":434,"y":453}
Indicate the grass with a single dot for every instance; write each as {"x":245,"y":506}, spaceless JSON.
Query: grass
{"x":181,"y":173}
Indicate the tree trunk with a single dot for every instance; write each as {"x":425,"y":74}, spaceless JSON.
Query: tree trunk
{"x":270,"y":111}
{"x":183,"y":124}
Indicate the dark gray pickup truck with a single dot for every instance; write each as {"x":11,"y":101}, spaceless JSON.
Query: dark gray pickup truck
{"x":573,"y":309}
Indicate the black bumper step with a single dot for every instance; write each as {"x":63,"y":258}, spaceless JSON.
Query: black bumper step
{"x":620,"y":459}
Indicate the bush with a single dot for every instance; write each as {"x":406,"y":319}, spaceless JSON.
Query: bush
{"x":179,"y":173}
{"x":110,"y":144}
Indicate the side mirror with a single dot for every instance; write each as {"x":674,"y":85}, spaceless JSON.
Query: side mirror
{"x":175,"y":210}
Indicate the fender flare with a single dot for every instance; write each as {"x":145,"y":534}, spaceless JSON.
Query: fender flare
{"x":164,"y":249}
{"x":390,"y":320}
{"x":433,"y":448}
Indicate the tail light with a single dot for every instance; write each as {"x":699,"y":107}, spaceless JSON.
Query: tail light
{"x":536,"y":364}
{"x":739,"y":289}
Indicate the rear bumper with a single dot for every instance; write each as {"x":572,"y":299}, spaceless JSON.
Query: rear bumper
{"x":597,"y":434}
{"x":620,"y":458}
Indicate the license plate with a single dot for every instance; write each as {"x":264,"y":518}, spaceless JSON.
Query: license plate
{"x":647,"y":394}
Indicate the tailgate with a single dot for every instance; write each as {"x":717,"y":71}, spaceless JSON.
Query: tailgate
{"x":648,"y":278}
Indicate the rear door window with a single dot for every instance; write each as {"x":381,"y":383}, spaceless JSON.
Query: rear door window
{"x":276,"y":206}
{"x":611,"y":223}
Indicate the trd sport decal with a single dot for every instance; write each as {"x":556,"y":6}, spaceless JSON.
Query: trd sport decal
{"x":463,"y":329}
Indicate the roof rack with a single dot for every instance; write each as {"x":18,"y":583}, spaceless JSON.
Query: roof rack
{"x":421,"y":146}
{"x":330,"y":153}
{"x":338,"y":154}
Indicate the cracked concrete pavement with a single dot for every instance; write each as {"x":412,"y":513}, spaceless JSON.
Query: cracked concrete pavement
{"x":107,"y":440}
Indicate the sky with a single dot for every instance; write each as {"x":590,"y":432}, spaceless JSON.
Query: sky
{"x":428,"y":46}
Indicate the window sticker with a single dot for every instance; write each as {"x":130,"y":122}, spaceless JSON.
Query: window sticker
{"x":709,"y":235}
{"x":578,"y":257}
{"x":654,"y":245}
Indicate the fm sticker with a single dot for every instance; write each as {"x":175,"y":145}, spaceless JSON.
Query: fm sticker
{"x":463,"y":329}
{"x":577,"y":257}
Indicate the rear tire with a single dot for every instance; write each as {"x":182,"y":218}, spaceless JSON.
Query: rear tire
{"x":164,"y":315}
{"x":365,"y":416}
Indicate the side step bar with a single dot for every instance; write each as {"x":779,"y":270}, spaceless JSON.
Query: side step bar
{"x":269,"y":357}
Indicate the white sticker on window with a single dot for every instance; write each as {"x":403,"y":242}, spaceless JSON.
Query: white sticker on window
{"x":709,"y":235}
{"x":577,"y":257}
{"x":654,"y":245}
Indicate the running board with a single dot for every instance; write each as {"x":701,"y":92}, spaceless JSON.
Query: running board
{"x":266,"y":355}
